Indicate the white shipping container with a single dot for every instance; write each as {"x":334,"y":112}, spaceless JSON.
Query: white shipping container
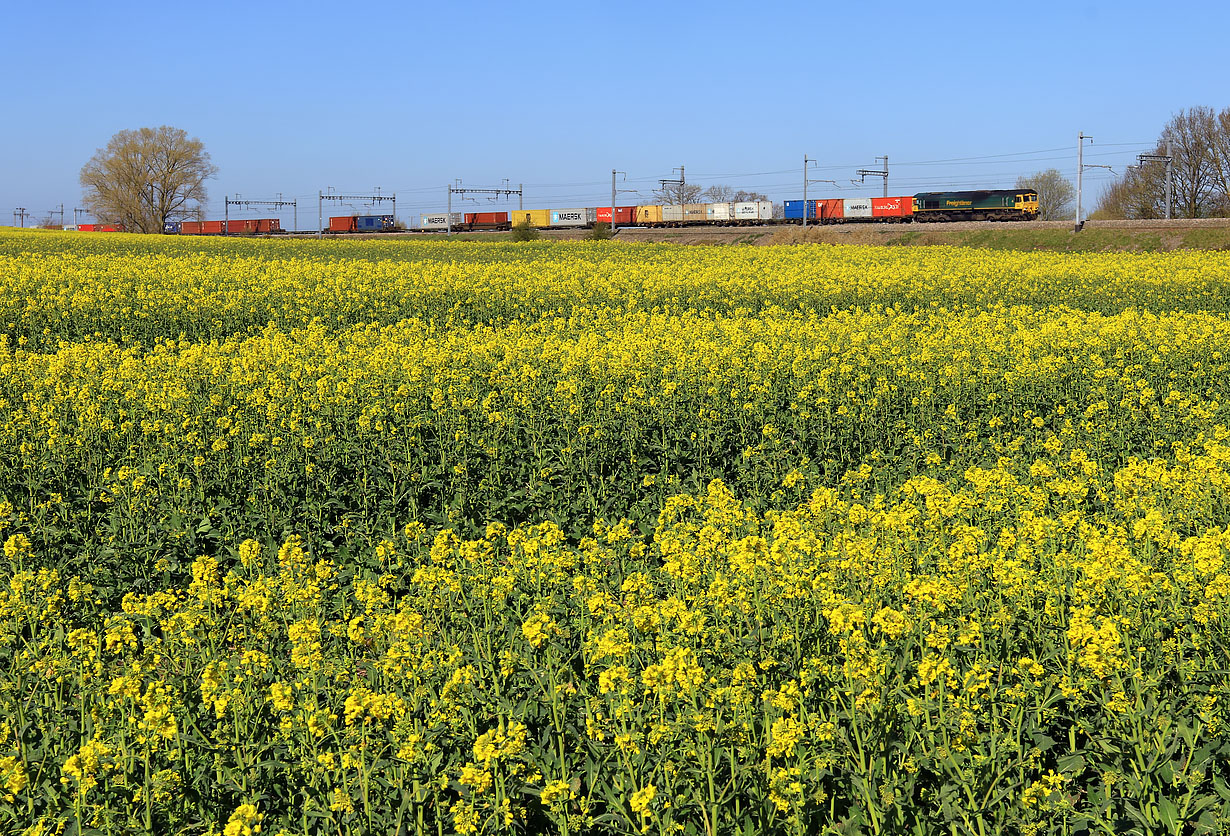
{"x":754,"y":210}
{"x":721,"y":212}
{"x":440,"y":220}
{"x":591,"y":215}
{"x":569,"y":217}
{"x":672,"y":212}
{"x":857,"y":207}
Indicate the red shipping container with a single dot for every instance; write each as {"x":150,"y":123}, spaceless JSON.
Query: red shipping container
{"x":112,"y":228}
{"x":190,"y":228}
{"x":624,"y":215}
{"x":829,"y":209}
{"x":212,"y":227}
{"x":268,"y":225}
{"x":486,"y":217}
{"x":85,"y":227}
{"x":344,"y":223}
{"x":892,"y":207}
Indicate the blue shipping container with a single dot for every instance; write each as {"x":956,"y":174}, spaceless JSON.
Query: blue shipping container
{"x":371,"y":222}
{"x":794,"y":209}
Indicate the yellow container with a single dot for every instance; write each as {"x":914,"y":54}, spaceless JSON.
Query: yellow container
{"x":649,"y":214}
{"x":535,"y":217}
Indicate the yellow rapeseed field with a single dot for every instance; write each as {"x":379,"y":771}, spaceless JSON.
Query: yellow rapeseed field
{"x":590,"y":538}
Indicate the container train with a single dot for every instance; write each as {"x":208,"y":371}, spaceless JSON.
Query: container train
{"x":978,"y":205}
{"x":924,"y":207}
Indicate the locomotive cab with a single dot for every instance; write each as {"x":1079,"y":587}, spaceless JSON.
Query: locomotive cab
{"x":1027,"y":202}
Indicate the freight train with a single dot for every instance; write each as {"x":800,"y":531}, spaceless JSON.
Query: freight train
{"x":979,"y":205}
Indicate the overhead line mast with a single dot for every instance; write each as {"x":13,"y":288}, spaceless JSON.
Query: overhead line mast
{"x":459,"y":189}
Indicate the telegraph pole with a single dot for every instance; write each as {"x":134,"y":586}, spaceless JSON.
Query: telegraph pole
{"x":864,"y":173}
{"x":20,"y":213}
{"x":76,"y":215}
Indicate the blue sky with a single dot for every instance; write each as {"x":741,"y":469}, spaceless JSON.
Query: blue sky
{"x":293,"y":98}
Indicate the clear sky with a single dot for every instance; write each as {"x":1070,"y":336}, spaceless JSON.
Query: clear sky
{"x":297,"y":97}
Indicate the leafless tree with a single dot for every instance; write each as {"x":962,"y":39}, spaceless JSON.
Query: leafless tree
{"x":678,"y":193}
{"x":1191,"y":137}
{"x":1055,"y":193}
{"x":147,"y":177}
{"x":721,"y":193}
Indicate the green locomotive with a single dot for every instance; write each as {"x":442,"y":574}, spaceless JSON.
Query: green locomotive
{"x":981,"y":205}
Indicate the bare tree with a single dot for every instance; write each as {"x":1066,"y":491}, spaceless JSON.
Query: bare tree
{"x":721,"y":193}
{"x":147,"y":177}
{"x":1190,"y":134}
{"x":678,"y":193}
{"x":1055,"y":193}
{"x":1221,"y":159}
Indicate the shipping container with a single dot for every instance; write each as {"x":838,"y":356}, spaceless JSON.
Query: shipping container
{"x":672,"y":213}
{"x":721,"y":212}
{"x":373,"y":223}
{"x":591,"y":215}
{"x":267,"y":225}
{"x":892,"y":207}
{"x":170,"y":228}
{"x":856,"y":207}
{"x":342,"y":223}
{"x":111,"y":228}
{"x":569,"y":217}
{"x":247,"y":225}
{"x":794,"y":209}
{"x":439,"y":220}
{"x":624,"y":215}
{"x":828,"y":210}
{"x":649,"y":214}
{"x":539,"y":218}
{"x":696,"y":213}
{"x":487,"y":220}
{"x":86,"y":227}
{"x":754,"y":210}
{"x":212,"y":227}
{"x":190,"y":228}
